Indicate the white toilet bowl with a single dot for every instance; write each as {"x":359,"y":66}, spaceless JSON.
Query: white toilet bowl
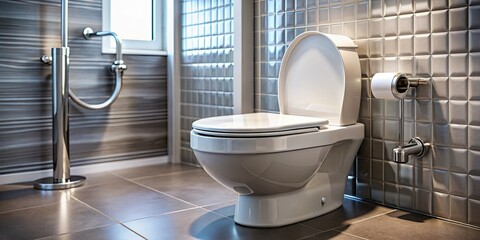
{"x":291,"y":166}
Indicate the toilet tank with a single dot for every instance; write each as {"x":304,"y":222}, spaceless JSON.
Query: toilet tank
{"x":320,"y":77}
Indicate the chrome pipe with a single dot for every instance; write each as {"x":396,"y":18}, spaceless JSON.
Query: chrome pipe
{"x":110,"y":100}
{"x":64,"y":23}
{"x":401,"y":134}
{"x":88,"y":33}
{"x":61,"y":151}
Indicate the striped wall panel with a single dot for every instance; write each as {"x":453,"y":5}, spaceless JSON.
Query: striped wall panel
{"x":134,"y":126}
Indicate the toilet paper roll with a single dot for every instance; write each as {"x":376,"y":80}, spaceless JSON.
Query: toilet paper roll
{"x":389,"y":85}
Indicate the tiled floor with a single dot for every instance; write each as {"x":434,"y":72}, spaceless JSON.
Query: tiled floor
{"x":182,"y":202}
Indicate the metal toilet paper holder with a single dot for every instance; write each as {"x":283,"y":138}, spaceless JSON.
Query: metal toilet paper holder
{"x":416,"y":146}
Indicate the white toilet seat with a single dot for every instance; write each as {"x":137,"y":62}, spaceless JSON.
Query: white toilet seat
{"x":327,"y":135}
{"x":257,"y":123}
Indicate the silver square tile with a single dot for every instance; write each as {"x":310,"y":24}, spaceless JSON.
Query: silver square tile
{"x":439,"y":43}
{"x":474,"y":162}
{"x":390,"y":7}
{"x":422,"y":44}
{"x":363,"y":9}
{"x":458,"y":135}
{"x":439,"y":20}
{"x":405,"y":24}
{"x":474,"y":113}
{"x":423,"y":178}
{"x":440,"y":65}
{"x":474,"y":88}
{"x":474,"y":39}
{"x":391,"y":194}
{"x":458,"y":208}
{"x":458,"y":112}
{"x":458,"y":19}
{"x":423,"y":110}
{"x":422,"y":22}
{"x":390,"y":46}
{"x":473,"y":213}
{"x":390,"y":64}
{"x":439,"y":4}
{"x":440,"y":88}
{"x":440,"y":111}
{"x":459,"y":160}
{"x":422,"y":5}
{"x":336,"y":13}
{"x":423,"y":66}
{"x":390,"y":25}
{"x":459,"y":184}
{"x":376,"y":28}
{"x":405,"y":45}
{"x":405,"y":197}
{"x":441,"y":181}
{"x":376,"y":8}
{"x":405,"y":65}
{"x":441,"y":158}
{"x":377,"y":170}
{"x":423,"y":201}
{"x":474,"y":17}
{"x":474,"y":62}
{"x":405,"y":6}
{"x":474,"y":137}
{"x":323,"y":15}
{"x":377,"y":191}
{"x":377,"y":150}
{"x":349,"y":12}
{"x":391,"y":130}
{"x":458,"y":88}
{"x":376,"y":47}
{"x":441,"y":135}
{"x":378,"y":128}
{"x":473,"y":186}
{"x":441,"y":204}
{"x":405,"y":174}
{"x":458,"y":42}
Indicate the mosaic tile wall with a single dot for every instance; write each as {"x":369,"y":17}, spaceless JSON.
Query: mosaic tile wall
{"x":207,"y":65}
{"x":434,"y":39}
{"x":133,"y":127}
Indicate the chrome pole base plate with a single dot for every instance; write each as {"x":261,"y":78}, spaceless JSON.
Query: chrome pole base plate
{"x":48,"y":184}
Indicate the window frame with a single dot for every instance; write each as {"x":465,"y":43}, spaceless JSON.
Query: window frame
{"x":157,"y":46}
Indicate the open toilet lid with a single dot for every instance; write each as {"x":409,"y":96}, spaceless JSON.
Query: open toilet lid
{"x":257,"y":123}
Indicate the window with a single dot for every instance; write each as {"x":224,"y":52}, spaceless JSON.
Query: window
{"x":139,"y":23}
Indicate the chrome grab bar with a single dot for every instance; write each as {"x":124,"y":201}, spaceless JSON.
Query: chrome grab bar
{"x":118,"y":66}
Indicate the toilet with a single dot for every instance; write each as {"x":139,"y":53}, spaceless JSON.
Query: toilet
{"x":291,"y":166}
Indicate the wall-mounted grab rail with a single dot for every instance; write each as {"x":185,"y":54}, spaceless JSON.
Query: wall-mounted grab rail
{"x":118,"y":66}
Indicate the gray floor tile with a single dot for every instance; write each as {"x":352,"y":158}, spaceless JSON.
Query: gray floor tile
{"x":335,"y":235}
{"x":94,"y":179}
{"x":351,"y":211}
{"x":153,"y":170}
{"x":125,"y":201}
{"x":117,"y":232}
{"x":22,"y":195}
{"x":226,"y":209}
{"x":63,"y":217}
{"x":196,"y":187}
{"x":202,"y":224}
{"x":403,"y":225}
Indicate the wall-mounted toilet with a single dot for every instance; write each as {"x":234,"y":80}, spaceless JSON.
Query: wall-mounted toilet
{"x":291,"y":166}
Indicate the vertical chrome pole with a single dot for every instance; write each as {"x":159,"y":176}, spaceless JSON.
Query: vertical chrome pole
{"x":61,"y":151}
{"x":64,"y":23}
{"x":401,"y":135}
{"x":60,"y":100}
